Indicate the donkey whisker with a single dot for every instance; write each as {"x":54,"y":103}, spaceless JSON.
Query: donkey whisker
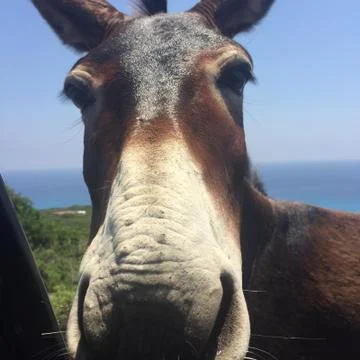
{"x":291,"y":338}
{"x":252,"y":117}
{"x":54,"y":354}
{"x":46,"y":351}
{"x":53,"y":333}
{"x":261,"y":357}
{"x":64,"y":355}
{"x":264,"y":352}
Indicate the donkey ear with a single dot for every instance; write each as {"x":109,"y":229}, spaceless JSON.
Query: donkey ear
{"x":81,"y":24}
{"x":233,"y":16}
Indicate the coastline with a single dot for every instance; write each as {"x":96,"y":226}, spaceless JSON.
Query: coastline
{"x":329,"y":184}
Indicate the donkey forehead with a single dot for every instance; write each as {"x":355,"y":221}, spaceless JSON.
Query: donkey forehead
{"x":165,"y":39}
{"x":157,"y":53}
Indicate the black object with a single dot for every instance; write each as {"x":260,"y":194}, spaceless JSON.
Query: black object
{"x":28,"y":328}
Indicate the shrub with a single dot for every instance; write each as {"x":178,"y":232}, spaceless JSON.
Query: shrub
{"x":57,"y":245}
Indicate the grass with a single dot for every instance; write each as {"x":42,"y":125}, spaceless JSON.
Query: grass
{"x":74,"y":222}
{"x":67,"y":260}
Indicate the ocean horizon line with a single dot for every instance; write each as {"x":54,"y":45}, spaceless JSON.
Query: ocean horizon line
{"x":329,"y":184}
{"x":255,"y":163}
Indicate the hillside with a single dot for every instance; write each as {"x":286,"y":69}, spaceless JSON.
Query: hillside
{"x":58,"y":238}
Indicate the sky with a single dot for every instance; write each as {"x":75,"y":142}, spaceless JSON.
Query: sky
{"x":305,"y":107}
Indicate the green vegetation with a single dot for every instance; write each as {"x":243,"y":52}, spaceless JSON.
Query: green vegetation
{"x":58,"y":238}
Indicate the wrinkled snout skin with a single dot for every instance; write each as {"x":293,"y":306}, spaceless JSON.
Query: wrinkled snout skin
{"x":164,"y":269}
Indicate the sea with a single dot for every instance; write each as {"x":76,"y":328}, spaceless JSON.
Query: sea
{"x":334,"y":185}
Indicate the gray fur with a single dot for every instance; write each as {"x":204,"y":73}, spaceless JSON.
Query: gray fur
{"x":156,"y":54}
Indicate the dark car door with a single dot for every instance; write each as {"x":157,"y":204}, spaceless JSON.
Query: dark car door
{"x":28,"y":328}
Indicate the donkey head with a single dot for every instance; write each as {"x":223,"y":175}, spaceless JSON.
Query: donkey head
{"x":164,"y":160}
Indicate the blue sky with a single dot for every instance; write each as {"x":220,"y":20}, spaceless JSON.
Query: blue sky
{"x":306,"y":105}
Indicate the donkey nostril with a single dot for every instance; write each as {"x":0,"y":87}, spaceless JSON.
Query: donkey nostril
{"x":227,"y":284}
{"x":83,"y":287}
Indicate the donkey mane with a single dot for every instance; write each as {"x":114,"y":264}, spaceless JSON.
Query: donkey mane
{"x":255,"y":180}
{"x":150,"y":7}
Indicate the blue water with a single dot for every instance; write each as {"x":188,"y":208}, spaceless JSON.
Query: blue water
{"x":49,"y":188}
{"x":333,"y":185}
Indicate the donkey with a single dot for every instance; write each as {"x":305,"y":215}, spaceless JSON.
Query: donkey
{"x":181,"y":224}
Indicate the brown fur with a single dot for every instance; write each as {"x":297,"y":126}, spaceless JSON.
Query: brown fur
{"x":212,"y":136}
{"x":305,"y":263}
{"x":68,"y":18}
{"x":233,"y":16}
{"x":303,"y":260}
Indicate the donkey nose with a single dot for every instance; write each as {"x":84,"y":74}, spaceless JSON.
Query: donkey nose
{"x":152,"y":321}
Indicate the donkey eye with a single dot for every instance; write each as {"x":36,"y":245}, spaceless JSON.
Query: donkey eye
{"x":78,"y":92}
{"x":235,"y":75}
